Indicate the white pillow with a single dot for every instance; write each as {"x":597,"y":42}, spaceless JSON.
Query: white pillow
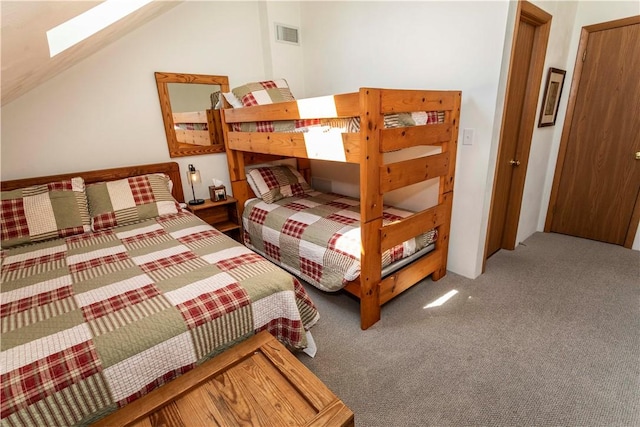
{"x":232,"y":99}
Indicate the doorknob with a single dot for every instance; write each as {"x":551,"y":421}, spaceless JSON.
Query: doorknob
{"x":637,"y":155}
{"x":517,"y":162}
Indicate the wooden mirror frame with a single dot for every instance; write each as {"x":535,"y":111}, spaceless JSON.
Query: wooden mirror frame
{"x":177,"y":149}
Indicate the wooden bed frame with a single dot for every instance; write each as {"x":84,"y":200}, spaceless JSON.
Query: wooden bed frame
{"x":377,"y":178}
{"x":172,"y":169}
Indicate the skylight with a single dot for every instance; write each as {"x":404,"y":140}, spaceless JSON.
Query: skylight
{"x":90,"y":22}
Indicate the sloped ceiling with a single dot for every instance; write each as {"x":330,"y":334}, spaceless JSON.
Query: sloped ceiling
{"x":25,"y":52}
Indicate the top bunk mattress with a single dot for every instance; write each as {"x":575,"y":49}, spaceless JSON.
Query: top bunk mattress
{"x":317,"y":236}
{"x":312,"y":109}
{"x":344,"y":124}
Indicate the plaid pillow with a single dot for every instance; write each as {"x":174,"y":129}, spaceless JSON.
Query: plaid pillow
{"x":215,"y":100}
{"x":43,"y":212}
{"x":262,"y":93}
{"x":130,"y":200}
{"x":273,"y":183}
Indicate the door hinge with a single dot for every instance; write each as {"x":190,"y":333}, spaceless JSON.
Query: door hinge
{"x":584,"y":56}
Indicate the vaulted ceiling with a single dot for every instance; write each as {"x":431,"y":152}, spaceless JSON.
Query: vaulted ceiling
{"x":25,"y":52}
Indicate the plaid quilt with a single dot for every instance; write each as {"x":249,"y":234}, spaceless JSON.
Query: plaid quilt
{"x":342,"y":124}
{"x":316,"y":236}
{"x":94,"y":321}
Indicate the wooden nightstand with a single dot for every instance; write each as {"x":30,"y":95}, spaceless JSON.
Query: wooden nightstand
{"x":223,"y":215}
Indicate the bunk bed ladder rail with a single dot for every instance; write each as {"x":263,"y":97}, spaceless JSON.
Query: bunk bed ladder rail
{"x":371,"y":160}
{"x":377,"y":178}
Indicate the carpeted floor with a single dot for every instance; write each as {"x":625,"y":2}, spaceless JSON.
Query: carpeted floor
{"x":548,"y":336}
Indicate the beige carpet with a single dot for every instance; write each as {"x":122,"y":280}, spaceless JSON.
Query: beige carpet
{"x":548,"y":336}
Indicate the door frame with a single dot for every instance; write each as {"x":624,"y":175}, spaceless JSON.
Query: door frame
{"x":537,"y":17}
{"x":568,"y":120}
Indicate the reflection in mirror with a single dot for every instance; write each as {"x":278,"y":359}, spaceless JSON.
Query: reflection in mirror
{"x":189,"y":104}
{"x":191,"y":120}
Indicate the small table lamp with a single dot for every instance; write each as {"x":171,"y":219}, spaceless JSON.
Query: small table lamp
{"x":194,"y":177}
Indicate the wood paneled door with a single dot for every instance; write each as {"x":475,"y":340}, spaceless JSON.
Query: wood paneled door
{"x":596,"y":189}
{"x":531,"y":34}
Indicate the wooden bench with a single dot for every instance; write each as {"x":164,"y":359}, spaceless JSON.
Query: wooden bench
{"x":255,"y":383}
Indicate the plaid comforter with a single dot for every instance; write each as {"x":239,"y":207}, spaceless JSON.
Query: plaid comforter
{"x":342,"y":124}
{"x":97,"y":320}
{"x":317,"y":236}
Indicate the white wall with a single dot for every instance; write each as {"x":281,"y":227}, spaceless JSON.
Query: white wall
{"x":431,"y":45}
{"x":104,"y":111}
{"x":286,"y":60}
{"x":542,"y":140}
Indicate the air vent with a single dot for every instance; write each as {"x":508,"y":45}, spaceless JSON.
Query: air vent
{"x":287,"y":34}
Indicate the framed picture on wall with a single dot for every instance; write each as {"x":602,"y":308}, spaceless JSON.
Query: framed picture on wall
{"x":218,"y":193}
{"x":551,"y":100}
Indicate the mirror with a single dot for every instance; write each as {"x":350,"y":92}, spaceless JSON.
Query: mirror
{"x":191,"y":123}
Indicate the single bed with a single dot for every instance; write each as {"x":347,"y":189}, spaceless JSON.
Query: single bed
{"x":316,"y":236}
{"x":370,"y":123}
{"x":120,"y":298}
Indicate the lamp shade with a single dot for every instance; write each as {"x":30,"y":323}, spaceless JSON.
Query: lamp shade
{"x":193,"y":176}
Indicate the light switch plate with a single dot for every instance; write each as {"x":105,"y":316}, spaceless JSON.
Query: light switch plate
{"x":467,"y":136}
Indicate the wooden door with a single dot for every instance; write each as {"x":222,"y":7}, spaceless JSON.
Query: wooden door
{"x":525,"y":75}
{"x":597,"y":183}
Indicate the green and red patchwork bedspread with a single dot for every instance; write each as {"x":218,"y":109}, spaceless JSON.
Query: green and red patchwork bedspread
{"x":94,"y":321}
{"x":316,"y":236}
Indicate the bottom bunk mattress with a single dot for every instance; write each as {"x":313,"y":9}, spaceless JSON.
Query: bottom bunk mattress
{"x":316,"y":236}
{"x":94,"y":321}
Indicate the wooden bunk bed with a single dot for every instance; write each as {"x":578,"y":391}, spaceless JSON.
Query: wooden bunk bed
{"x":365,"y":147}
